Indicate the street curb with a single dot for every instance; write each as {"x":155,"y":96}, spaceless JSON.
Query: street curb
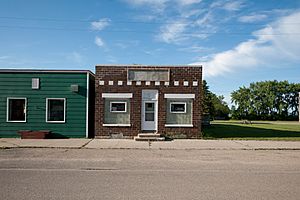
{"x":125,"y":148}
{"x":35,"y":147}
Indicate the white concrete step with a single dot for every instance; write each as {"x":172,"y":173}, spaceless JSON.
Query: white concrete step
{"x":137,"y":138}
{"x":148,"y":135}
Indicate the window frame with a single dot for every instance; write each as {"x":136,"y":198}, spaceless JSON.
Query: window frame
{"x":7,"y":109}
{"x":112,"y":111}
{"x":47,"y":99}
{"x":177,"y":102}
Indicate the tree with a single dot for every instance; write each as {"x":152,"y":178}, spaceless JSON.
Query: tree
{"x":207,"y":103}
{"x":221,"y":109}
{"x":213,"y":105}
{"x":266,"y":100}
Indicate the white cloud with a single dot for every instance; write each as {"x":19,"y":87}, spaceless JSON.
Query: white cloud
{"x":278,"y":42}
{"x":155,"y":5}
{"x":145,"y":17}
{"x":195,"y":19}
{"x":188,"y":2}
{"x":172,"y":32}
{"x":205,"y":20}
{"x":264,"y":15}
{"x":187,"y":13}
{"x":196,"y":23}
{"x":142,"y":2}
{"x":99,"y":42}
{"x":252,"y":18}
{"x":195,"y":49}
{"x":100,"y":24}
{"x":158,"y":6}
{"x":233,"y":5}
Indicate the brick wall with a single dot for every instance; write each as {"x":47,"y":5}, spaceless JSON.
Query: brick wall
{"x":119,"y":73}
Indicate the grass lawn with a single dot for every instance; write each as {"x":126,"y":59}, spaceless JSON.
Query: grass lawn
{"x":258,"y":130}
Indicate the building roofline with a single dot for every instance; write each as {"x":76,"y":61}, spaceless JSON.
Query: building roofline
{"x":141,"y":65}
{"x":44,"y":71}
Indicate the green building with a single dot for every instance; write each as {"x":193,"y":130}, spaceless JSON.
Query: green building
{"x":61,"y":101}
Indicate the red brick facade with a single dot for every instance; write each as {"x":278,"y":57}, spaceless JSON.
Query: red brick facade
{"x":176,"y":73}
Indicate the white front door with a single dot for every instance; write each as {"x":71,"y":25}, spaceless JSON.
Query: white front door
{"x":149,"y":110}
{"x":149,"y":121}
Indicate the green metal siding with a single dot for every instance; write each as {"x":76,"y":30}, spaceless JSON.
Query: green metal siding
{"x":52,"y":85}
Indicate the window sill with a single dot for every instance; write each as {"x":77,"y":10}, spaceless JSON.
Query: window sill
{"x":16,"y":121}
{"x":178,"y":125}
{"x":56,"y":122}
{"x":117,"y":125}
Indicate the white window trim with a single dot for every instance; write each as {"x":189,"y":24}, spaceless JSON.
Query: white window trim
{"x":179,"y":96}
{"x":117,"y":95}
{"x":110,"y":106}
{"x":7,"y":109}
{"x":176,"y":102}
{"x":64,"y":110}
{"x":119,"y":125}
{"x":178,"y":125}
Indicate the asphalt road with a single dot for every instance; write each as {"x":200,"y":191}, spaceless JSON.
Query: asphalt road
{"x":148,"y":174}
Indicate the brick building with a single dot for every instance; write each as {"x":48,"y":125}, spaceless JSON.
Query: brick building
{"x":134,"y":100}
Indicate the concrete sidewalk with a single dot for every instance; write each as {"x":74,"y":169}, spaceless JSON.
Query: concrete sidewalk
{"x":43,"y":143}
{"x":131,"y":144}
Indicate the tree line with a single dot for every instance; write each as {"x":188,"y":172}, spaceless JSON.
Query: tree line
{"x":265,"y":100}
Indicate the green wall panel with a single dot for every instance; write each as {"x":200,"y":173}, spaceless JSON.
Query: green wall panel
{"x":52,"y":85}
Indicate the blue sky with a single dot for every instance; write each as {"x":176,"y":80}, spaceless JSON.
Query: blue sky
{"x":237,"y":42}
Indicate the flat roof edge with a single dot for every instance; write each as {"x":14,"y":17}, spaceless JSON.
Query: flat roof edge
{"x":45,"y":71}
{"x":140,"y":65}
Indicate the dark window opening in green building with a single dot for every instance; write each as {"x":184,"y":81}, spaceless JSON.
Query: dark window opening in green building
{"x":16,"y":110}
{"x":56,"y":110}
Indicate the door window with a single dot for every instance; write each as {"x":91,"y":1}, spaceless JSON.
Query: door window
{"x":149,"y":111}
